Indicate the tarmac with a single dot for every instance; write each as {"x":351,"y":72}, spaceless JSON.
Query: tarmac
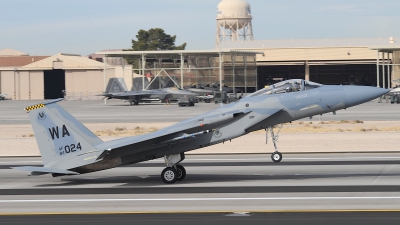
{"x":333,"y":182}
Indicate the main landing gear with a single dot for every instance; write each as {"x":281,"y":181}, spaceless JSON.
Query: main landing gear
{"x":174,"y":171}
{"x":133,"y":101}
{"x":276,"y":156}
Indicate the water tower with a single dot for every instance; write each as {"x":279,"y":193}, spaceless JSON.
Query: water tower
{"x":233,"y":21}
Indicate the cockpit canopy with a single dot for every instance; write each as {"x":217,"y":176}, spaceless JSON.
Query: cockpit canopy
{"x":287,"y":86}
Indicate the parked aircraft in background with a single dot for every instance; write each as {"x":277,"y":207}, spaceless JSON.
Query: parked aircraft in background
{"x":116,"y":88}
{"x":199,"y":89}
{"x":3,"y":96}
{"x":216,"y":87}
{"x":67,"y":147}
{"x":394,"y":95}
{"x":208,"y":89}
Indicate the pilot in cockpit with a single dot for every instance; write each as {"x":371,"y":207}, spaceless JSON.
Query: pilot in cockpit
{"x":296,"y":86}
{"x":289,"y":87}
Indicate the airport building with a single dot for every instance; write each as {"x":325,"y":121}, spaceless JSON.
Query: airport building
{"x":237,"y":60}
{"x":24,"y":77}
{"x":363,"y":61}
{"x":327,"y":61}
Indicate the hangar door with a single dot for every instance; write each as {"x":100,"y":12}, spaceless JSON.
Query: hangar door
{"x":54,"y":84}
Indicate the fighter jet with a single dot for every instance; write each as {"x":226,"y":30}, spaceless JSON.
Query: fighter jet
{"x":394,"y":95}
{"x":67,"y":147}
{"x":198,"y":88}
{"x":116,"y":88}
{"x":3,"y":96}
{"x":208,"y":89}
{"x":216,"y":87}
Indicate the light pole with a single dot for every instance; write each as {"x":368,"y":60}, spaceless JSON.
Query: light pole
{"x":15,"y":84}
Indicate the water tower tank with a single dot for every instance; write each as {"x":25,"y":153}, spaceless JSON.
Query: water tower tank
{"x":232,"y":10}
{"x":234,"y":21}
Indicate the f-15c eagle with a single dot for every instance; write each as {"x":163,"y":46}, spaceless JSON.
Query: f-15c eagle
{"x":67,"y":147}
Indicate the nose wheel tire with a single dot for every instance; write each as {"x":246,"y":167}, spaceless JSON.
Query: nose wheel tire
{"x":181,"y":172}
{"x":276,"y":157}
{"x":169,"y":175}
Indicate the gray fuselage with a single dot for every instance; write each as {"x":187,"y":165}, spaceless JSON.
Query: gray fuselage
{"x":259,"y":110}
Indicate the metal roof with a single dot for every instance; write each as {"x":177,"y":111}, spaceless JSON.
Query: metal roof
{"x":308,"y":43}
{"x":70,"y":61}
{"x":17,"y":61}
{"x":11,"y":52}
{"x":386,"y":48}
{"x":178,"y":52}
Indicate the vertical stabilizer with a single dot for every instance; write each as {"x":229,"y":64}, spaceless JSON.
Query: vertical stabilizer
{"x":116,"y":85}
{"x":59,"y":135}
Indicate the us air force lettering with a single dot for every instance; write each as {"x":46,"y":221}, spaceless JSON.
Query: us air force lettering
{"x":68,"y":148}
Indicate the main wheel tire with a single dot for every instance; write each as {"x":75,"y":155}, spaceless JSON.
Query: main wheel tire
{"x":276,"y":157}
{"x":169,"y":175}
{"x":134,"y":102}
{"x":181,"y":172}
{"x":207,"y":100}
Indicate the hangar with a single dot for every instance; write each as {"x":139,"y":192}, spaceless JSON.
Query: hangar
{"x":245,"y":65}
{"x":236,"y":68}
{"x":327,"y":61}
{"x":24,"y":77}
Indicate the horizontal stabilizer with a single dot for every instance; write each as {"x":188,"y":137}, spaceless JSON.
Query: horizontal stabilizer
{"x":44,"y":170}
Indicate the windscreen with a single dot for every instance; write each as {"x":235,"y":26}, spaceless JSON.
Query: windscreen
{"x":287,"y":86}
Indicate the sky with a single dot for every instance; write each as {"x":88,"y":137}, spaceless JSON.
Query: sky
{"x":48,"y":27}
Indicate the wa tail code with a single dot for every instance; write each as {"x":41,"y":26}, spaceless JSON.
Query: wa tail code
{"x":55,"y":133}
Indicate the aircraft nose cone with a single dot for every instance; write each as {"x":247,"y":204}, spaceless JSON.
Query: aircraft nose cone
{"x":359,"y":94}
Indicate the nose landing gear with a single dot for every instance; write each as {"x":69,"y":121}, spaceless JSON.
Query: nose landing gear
{"x":276,"y":156}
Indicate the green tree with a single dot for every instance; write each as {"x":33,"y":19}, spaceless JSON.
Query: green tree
{"x":153,"y":40}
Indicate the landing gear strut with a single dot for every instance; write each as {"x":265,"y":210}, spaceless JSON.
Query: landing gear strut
{"x":174,"y":171}
{"x":276,"y":156}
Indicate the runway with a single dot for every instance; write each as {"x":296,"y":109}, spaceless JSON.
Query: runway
{"x":306,"y":218}
{"x":215,"y":183}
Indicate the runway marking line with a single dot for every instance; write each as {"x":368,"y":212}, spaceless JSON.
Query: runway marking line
{"x":194,"y":199}
{"x":249,"y":159}
{"x":19,"y":162}
{"x":201,"y":212}
{"x":287,"y":158}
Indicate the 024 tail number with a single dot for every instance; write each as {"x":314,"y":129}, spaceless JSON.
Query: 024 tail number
{"x":69,"y":148}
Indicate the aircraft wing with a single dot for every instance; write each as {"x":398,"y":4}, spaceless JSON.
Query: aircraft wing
{"x":180,"y":132}
{"x":141,"y":94}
